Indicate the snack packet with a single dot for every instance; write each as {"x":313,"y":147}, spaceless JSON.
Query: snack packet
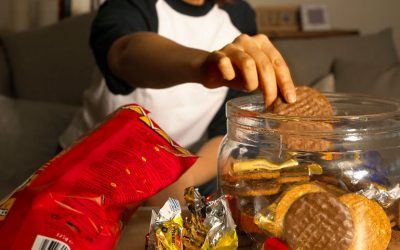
{"x":166,"y":227}
{"x":83,"y":197}
{"x":209,"y":225}
{"x":195,"y":230}
{"x":222,"y":233}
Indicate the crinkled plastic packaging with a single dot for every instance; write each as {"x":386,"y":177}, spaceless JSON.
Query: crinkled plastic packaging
{"x":209,"y":225}
{"x":166,"y":227}
{"x":222,"y":233}
{"x":194,"y":229}
{"x":83,"y":197}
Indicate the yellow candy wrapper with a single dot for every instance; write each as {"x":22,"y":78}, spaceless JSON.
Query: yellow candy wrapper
{"x":166,"y":227}
{"x":222,"y":234}
{"x":195,"y":231}
{"x":209,"y":225}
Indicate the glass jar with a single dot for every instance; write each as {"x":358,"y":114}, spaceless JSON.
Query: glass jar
{"x":287,"y":175}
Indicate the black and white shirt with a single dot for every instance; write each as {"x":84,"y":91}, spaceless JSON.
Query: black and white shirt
{"x":185,"y":111}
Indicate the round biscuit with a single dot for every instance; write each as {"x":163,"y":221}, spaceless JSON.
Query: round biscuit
{"x":372,"y":229}
{"x":318,"y":221}
{"x":275,"y":226}
{"x":309,"y":102}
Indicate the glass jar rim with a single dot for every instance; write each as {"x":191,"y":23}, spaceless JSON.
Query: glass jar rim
{"x":245,"y":106}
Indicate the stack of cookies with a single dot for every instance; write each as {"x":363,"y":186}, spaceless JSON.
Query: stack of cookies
{"x":314,"y":216}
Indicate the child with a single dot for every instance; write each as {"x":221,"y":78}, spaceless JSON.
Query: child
{"x":182,"y":60}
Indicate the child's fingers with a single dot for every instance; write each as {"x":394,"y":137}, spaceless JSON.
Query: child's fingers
{"x":265,"y":70}
{"x":245,"y":64}
{"x":282,"y":73}
{"x":225,"y":67}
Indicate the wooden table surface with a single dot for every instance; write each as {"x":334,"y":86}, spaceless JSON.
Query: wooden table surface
{"x":134,"y":235}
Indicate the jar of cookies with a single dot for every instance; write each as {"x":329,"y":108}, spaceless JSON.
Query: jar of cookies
{"x":322,"y":173}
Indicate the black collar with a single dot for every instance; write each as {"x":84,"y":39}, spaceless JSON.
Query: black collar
{"x":189,"y":9}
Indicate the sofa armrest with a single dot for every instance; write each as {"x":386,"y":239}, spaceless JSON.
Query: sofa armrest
{"x":5,"y":76}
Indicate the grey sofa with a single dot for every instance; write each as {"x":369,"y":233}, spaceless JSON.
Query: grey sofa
{"x":44,"y":72}
{"x":42,"y":76}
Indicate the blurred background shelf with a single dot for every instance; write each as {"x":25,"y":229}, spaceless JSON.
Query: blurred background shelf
{"x":308,"y":34}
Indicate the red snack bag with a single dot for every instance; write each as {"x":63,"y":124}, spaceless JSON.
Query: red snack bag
{"x":82,"y":198}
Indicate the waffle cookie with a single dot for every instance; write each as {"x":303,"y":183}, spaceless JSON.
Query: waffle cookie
{"x":318,"y":221}
{"x":299,"y":141}
{"x":310,"y":103}
{"x":249,"y":174}
{"x":271,"y":219}
{"x":372,"y":229}
{"x":265,"y":183}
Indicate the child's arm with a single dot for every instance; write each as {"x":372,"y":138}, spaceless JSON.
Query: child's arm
{"x":148,"y":60}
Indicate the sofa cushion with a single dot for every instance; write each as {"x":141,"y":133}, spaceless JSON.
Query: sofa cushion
{"x":356,"y":77}
{"x":29,"y":133}
{"x":5,"y":84}
{"x":387,"y":84}
{"x":325,"y":83}
{"x":54,"y":63}
{"x":311,"y":59}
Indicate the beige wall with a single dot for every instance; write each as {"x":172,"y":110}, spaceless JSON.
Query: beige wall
{"x":18,"y":15}
{"x":15,"y":14}
{"x":46,"y":12}
{"x":367,"y":16}
{"x":80,"y":6}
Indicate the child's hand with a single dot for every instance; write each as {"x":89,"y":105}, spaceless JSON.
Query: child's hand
{"x":250,"y":63}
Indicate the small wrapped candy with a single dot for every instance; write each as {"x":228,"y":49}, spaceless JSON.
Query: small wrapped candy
{"x":210,"y":224}
{"x":195,"y":231}
{"x":208,"y":227}
{"x":166,"y":227}
{"x":222,"y":233}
